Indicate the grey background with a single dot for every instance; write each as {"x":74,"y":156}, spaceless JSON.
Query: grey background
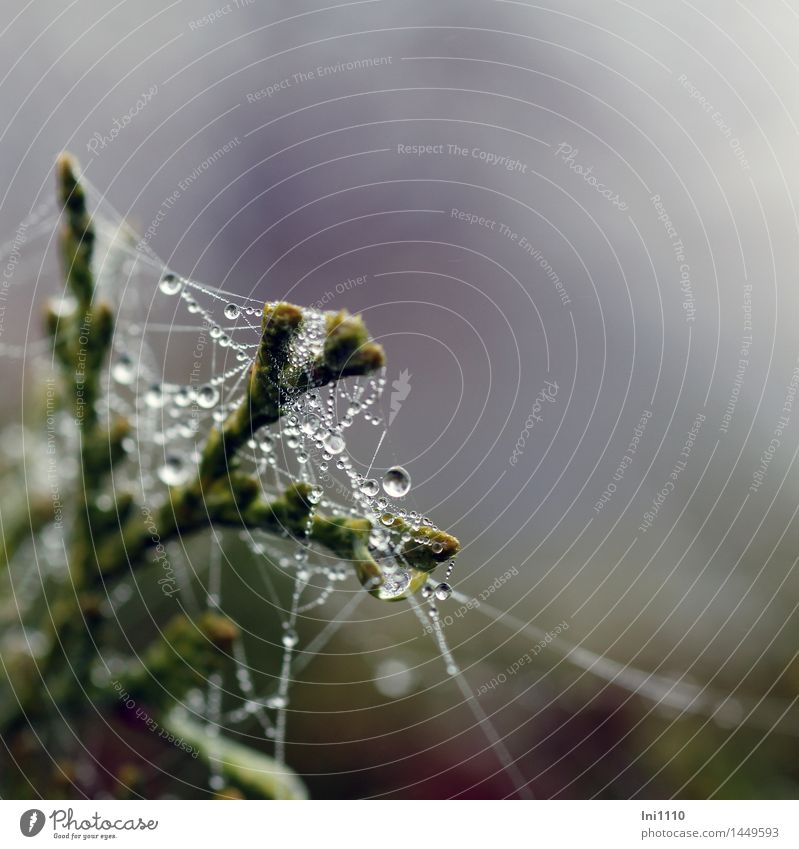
{"x":316,"y":193}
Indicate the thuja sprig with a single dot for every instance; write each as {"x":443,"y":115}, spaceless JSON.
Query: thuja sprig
{"x":107,"y":543}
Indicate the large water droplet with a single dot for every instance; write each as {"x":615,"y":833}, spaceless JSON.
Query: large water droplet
{"x":123,"y":371}
{"x":207,"y":396}
{"x":395,"y":584}
{"x":334,"y":444}
{"x":443,"y":592}
{"x":310,"y":426}
{"x":370,"y":487}
{"x":232,"y":311}
{"x":170,"y":284}
{"x":396,"y":482}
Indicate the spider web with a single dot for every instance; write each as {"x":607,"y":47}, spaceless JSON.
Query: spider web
{"x":181,"y":354}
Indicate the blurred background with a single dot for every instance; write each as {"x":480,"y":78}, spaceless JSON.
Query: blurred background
{"x":573,"y":228}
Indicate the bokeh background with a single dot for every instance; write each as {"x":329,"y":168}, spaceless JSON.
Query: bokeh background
{"x":636,"y":248}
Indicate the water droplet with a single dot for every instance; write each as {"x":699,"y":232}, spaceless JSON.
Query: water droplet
{"x":427,"y":591}
{"x":276,"y":702}
{"x":443,"y":592}
{"x":170,"y":284}
{"x":387,"y":519}
{"x":334,"y":444}
{"x":370,"y":487}
{"x":207,"y":396}
{"x":396,"y":482}
{"x":290,"y":639}
{"x":182,"y":397}
{"x":174,"y":471}
{"x":123,"y":371}
{"x":154,"y":397}
{"x":310,"y":426}
{"x":395,"y":584}
{"x":232,"y":311}
{"x":315,"y":494}
{"x":436,"y":548}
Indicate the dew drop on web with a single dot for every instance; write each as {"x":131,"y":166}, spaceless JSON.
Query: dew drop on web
{"x":170,"y":284}
{"x":334,"y":444}
{"x":369,"y":487}
{"x":396,"y":482}
{"x":290,"y":638}
{"x":123,"y":370}
{"x":154,"y":397}
{"x":395,"y":584}
{"x":443,"y":591}
{"x":207,"y":396}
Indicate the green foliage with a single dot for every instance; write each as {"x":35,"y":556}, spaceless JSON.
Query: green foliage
{"x":106,"y":544}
